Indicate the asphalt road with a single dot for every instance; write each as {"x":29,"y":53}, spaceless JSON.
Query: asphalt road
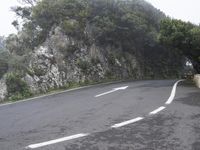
{"x":177,"y":127}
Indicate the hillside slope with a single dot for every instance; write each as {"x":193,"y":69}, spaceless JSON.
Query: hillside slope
{"x":68,"y":42}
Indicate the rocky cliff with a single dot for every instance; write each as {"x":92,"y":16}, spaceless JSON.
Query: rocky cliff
{"x":98,"y":45}
{"x":63,"y":60}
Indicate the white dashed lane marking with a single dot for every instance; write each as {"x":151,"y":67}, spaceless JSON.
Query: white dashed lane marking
{"x":169,"y":101}
{"x":127,"y":122}
{"x":157,"y":110}
{"x":38,"y":145}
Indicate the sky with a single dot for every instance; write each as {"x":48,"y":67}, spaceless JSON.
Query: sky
{"x":6,"y":17}
{"x":187,"y":10}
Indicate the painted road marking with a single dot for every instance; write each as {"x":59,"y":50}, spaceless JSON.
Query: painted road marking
{"x":169,"y":101}
{"x":127,"y":122}
{"x":65,"y":91}
{"x":173,"y":92}
{"x":157,"y":110}
{"x":38,"y":145}
{"x":114,"y":90}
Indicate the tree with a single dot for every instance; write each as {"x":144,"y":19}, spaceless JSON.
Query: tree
{"x":3,"y":63}
{"x":183,"y":37}
{"x":28,"y":2}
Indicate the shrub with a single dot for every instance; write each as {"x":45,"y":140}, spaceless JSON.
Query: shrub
{"x":17,"y":88}
{"x":3,"y":63}
{"x":39,"y":71}
{"x":70,"y":26}
{"x":111,"y":59}
{"x":67,"y":50}
{"x":83,"y":65}
{"x":109,"y":75}
{"x":95,"y":61}
{"x":3,"y":68}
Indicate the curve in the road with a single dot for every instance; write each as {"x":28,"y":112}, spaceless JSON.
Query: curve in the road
{"x":118,"y":125}
{"x":173,"y":92}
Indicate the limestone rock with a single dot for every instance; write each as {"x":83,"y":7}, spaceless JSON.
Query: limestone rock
{"x":3,"y":89}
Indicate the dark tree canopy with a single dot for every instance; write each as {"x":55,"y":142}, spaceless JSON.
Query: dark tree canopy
{"x":183,"y":37}
{"x":130,"y":26}
{"x":29,"y":2}
{"x":109,"y":20}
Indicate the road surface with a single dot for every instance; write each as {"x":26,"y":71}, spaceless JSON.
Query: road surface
{"x":122,"y":116}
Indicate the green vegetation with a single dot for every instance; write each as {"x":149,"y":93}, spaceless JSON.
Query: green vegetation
{"x":3,"y":63}
{"x":121,"y":22}
{"x":84,"y":33}
{"x":182,"y":37}
{"x":4,"y":57}
{"x":39,"y":71}
{"x":84,"y":66}
{"x":95,"y":61}
{"x":17,"y":88}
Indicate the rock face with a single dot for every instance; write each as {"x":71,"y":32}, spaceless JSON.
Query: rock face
{"x":62,"y":60}
{"x":3,"y":89}
{"x":78,"y":42}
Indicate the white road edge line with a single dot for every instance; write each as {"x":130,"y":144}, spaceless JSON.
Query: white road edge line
{"x":157,"y":110}
{"x":173,"y":92}
{"x":127,"y":122}
{"x":38,"y":145}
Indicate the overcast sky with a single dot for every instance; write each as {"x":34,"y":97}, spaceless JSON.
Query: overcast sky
{"x":6,"y":16}
{"x":187,"y":10}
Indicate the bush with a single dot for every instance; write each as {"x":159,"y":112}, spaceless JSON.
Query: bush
{"x":17,"y":88}
{"x":109,"y":75}
{"x":3,"y":63}
{"x":3,"y":68}
{"x":111,"y":59}
{"x":95,"y":61}
{"x":65,"y":49}
{"x":84,"y":66}
{"x":39,"y":71}
{"x":70,"y":26}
